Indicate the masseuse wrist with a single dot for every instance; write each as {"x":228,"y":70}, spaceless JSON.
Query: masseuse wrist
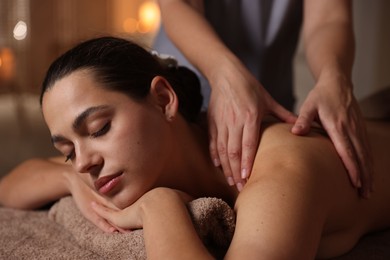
{"x":335,"y":75}
{"x":221,"y":66}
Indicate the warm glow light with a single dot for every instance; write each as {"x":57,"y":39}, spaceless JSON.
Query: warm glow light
{"x":149,"y":17}
{"x":143,"y":28}
{"x":20,"y":31}
{"x":130,"y":25}
{"x":7,"y":64}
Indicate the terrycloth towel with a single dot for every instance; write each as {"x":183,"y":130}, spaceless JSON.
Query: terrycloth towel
{"x":63,"y":233}
{"x":213,"y":219}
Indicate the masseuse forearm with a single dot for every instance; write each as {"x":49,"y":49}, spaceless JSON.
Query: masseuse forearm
{"x":33,"y":184}
{"x":328,"y":37}
{"x":193,"y":35}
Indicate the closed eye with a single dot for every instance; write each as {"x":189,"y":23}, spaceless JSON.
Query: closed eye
{"x":102,"y":131}
{"x":69,"y":156}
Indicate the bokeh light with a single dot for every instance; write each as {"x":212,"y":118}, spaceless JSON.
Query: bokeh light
{"x":7,"y":67}
{"x":149,"y":17}
{"x":20,"y":30}
{"x":130,"y":25}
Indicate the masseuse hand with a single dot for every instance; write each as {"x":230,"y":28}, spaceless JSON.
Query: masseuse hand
{"x":237,"y":105}
{"x":83,"y":195}
{"x":332,"y":103}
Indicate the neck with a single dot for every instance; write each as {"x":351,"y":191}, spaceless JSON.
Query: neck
{"x":191,"y":169}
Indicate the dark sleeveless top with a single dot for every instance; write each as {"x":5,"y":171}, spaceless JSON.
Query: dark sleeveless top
{"x":263,"y":34}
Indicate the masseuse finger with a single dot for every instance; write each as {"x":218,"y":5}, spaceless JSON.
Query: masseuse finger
{"x":346,"y":152}
{"x":359,"y":140}
{"x":222,"y":147}
{"x":234,"y":152}
{"x":305,"y":119}
{"x":250,"y":141}
{"x":282,"y":113}
{"x":213,"y":134}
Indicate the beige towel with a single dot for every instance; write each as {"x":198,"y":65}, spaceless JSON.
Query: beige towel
{"x":213,"y":219}
{"x":64,"y":234}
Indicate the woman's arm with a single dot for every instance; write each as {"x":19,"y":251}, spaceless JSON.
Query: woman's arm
{"x":34,"y":183}
{"x":37,"y":182}
{"x":329,"y":45}
{"x":168,"y":229}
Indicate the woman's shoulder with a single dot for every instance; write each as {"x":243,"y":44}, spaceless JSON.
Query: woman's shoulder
{"x":275,"y":133}
{"x":288,"y":183}
{"x":283,"y":151}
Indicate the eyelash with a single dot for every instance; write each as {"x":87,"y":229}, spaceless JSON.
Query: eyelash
{"x":69,"y":156}
{"x":98,"y":133}
{"x":102,"y":131}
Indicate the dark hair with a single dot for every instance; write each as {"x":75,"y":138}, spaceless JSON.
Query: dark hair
{"x":123,"y":66}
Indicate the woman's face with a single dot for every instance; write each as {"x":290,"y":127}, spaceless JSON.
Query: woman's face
{"x":122,"y":144}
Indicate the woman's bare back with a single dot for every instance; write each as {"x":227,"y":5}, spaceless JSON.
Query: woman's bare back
{"x":321,"y":213}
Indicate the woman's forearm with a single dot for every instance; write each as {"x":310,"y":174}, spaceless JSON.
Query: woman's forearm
{"x":328,"y":37}
{"x":33,"y":184}
{"x":168,"y":229}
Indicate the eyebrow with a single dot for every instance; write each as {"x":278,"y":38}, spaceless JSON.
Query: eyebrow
{"x":79,"y":121}
{"x":85,"y":114}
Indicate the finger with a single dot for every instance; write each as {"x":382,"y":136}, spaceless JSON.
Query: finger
{"x":344,"y":148}
{"x":283,"y":114}
{"x":104,"y":225}
{"x":250,"y":142}
{"x":223,"y":156}
{"x":240,"y":185}
{"x":234,"y":151}
{"x":103,"y":211}
{"x":100,"y":222}
{"x":303,"y":123}
{"x":105,"y":202}
{"x":362,"y":149}
{"x":213,"y":134}
{"x":109,"y":215}
{"x":122,"y":230}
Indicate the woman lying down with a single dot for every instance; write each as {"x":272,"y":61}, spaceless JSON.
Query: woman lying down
{"x":135,"y":156}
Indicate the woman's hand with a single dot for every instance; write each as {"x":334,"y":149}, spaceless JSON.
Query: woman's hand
{"x":333,"y":104}
{"x":238,"y":103}
{"x":83,"y":195}
{"x":123,"y":219}
{"x":132,"y":217}
{"x":167,"y":226}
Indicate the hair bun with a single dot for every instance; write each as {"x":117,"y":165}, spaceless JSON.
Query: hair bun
{"x":166,"y":61}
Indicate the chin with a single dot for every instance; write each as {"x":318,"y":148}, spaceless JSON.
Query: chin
{"x":123,"y":199}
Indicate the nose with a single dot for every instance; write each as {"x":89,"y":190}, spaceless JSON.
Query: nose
{"x":87,"y":160}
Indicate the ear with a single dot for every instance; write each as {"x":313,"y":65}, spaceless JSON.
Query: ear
{"x":164,"y":97}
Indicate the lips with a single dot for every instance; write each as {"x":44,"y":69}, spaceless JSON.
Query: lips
{"x":105,"y":184}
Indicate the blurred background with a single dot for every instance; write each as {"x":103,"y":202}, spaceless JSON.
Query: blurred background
{"x":34,"y":32}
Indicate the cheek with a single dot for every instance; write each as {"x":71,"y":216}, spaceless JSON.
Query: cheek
{"x":140,"y":146}
{"x":143,"y":146}
{"x":144,"y":154}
